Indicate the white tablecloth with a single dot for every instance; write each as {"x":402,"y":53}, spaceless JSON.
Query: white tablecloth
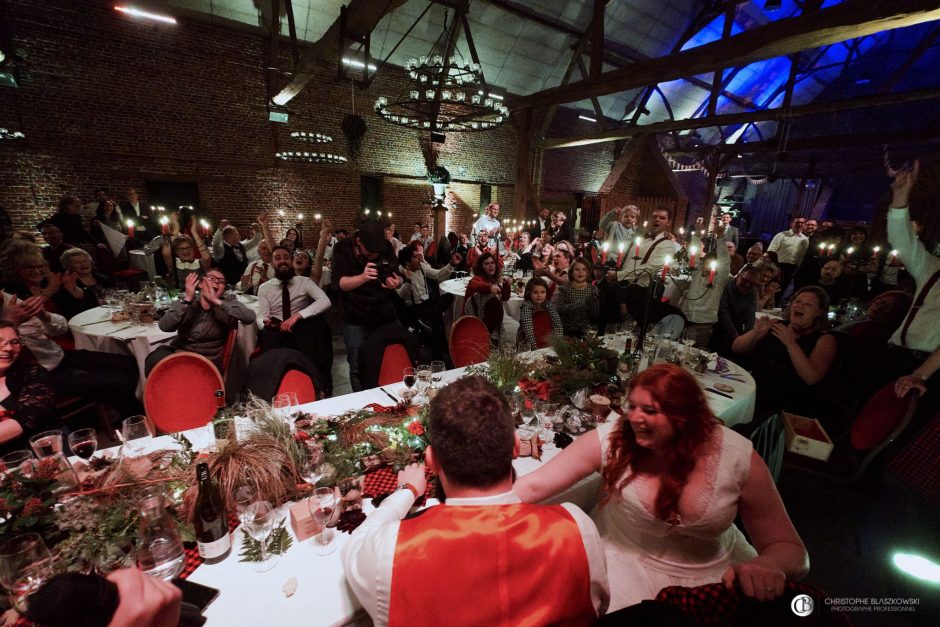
{"x":458,"y":287}
{"x":142,"y":261}
{"x":323,"y":598}
{"x":94,"y":331}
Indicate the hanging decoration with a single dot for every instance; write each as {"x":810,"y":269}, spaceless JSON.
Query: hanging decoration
{"x":312,"y":138}
{"x":310,"y":157}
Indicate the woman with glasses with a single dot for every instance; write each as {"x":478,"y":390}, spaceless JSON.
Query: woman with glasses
{"x":82,"y":287}
{"x":675,"y":480}
{"x":27,"y":400}
{"x":202,"y":321}
{"x":26,"y":273}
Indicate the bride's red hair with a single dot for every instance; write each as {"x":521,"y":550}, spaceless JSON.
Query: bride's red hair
{"x":682,"y":401}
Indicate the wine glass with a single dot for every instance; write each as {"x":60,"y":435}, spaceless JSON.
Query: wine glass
{"x":137,"y":432}
{"x":312,"y":470}
{"x":409,"y":378}
{"x":84,"y":443}
{"x":25,"y":564}
{"x":437,"y":372}
{"x":284,"y":400}
{"x":46,"y":443}
{"x":527,"y":413}
{"x":325,"y":503}
{"x":259,"y":523}
{"x":244,"y":497}
{"x":424,"y":379}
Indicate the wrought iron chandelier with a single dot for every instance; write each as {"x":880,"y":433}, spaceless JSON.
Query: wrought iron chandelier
{"x":310,"y":157}
{"x":448,"y":93}
{"x":313,"y":138}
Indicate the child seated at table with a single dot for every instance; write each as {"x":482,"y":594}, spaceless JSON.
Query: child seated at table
{"x":536,"y":299}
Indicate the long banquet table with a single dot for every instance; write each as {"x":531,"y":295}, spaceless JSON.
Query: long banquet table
{"x":249,"y":598}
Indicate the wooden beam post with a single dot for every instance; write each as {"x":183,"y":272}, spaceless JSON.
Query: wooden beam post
{"x":597,"y":38}
{"x":523,"y":179}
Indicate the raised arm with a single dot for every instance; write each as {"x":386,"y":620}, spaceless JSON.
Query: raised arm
{"x":326,"y":231}
{"x":780,"y":551}
{"x":574,"y":463}
{"x":265,"y":221}
{"x":218,"y":250}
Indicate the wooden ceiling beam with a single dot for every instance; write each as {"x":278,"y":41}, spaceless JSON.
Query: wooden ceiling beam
{"x":362,"y":18}
{"x":763,"y":115}
{"x":853,"y":18}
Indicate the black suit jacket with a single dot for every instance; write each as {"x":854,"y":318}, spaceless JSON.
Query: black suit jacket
{"x":144,"y":220}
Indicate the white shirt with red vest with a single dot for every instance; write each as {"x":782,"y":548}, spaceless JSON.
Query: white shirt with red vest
{"x":369,"y":555}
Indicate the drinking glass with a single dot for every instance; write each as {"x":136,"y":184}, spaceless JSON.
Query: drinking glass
{"x":409,"y":378}
{"x":25,"y":564}
{"x":688,"y":338}
{"x":590,"y":331}
{"x":527,"y":413}
{"x":84,"y":443}
{"x":325,"y":502}
{"x":137,"y":432}
{"x":259,"y":523}
{"x":312,"y":470}
{"x":46,"y":443}
{"x":424,"y":379}
{"x":19,"y":460}
{"x":284,"y":400}
{"x":437,"y":372}
{"x":244,"y":497}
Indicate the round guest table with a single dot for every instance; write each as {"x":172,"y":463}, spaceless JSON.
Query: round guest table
{"x":458,"y":287}
{"x":94,"y":331}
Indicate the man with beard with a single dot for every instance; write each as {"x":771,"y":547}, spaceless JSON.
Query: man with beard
{"x":289,"y":309}
{"x":654,"y":249}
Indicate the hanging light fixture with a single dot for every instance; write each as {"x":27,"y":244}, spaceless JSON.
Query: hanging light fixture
{"x":8,"y":134}
{"x":312,"y":138}
{"x":448,"y":93}
{"x":310,"y":157}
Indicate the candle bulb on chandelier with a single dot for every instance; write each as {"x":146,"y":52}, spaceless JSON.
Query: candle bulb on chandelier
{"x":620,"y":250}
{"x":666,"y":262}
{"x":164,"y":225}
{"x":130,"y":228}
{"x":604,"y":249}
{"x":693,"y":251}
{"x":205,"y":228}
{"x":894,"y":255}
{"x":875,"y":251}
{"x":636,"y":254}
{"x":712,"y":268}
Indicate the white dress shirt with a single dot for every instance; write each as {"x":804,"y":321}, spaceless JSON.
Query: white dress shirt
{"x":637,"y":270}
{"x":486,"y":223}
{"x":306,"y":298}
{"x":700,"y":303}
{"x":789,"y":247}
{"x":369,"y":554}
{"x":256,"y":278}
{"x":923,"y":334}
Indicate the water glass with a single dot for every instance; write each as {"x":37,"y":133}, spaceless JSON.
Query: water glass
{"x":325,"y":500}
{"x":259,"y":523}
{"x":25,"y":564}
{"x":46,"y":443}
{"x":437,"y":372}
{"x":84,"y":443}
{"x":19,"y":460}
{"x":284,"y":400}
{"x":138,"y":433}
{"x":424,"y":379}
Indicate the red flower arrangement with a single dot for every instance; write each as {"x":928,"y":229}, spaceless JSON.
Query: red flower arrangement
{"x":416,"y":428}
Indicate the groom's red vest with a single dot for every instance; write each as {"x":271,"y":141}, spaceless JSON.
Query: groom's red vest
{"x":491,"y":565}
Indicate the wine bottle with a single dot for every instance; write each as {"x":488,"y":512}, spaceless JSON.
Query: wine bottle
{"x":210,"y":520}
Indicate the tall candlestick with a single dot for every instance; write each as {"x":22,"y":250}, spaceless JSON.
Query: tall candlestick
{"x":712,"y":268}
{"x":638,"y":241}
{"x":692,"y":252}
{"x":130,"y":228}
{"x":620,"y":250}
{"x":666,"y":262}
{"x":604,"y":249}
{"x":164,"y":225}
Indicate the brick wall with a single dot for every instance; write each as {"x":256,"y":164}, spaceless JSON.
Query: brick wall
{"x":111,"y":102}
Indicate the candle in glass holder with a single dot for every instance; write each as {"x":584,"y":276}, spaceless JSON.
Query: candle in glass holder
{"x":164,"y":225}
{"x":604,"y":250}
{"x":666,"y":262}
{"x":130,"y":228}
{"x":693,"y":251}
{"x":620,"y":250}
{"x":712,"y":268}
{"x":636,"y":253}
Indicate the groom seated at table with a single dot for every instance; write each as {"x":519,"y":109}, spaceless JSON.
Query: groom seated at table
{"x":482,"y":557}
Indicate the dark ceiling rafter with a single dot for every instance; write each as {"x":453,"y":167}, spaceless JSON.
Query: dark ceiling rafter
{"x":364,"y":15}
{"x":925,"y":44}
{"x":746,"y":117}
{"x":850,"y":19}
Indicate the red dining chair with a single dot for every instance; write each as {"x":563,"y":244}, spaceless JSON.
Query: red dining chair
{"x":395,"y":359}
{"x":180,"y":392}
{"x":228,"y":350}
{"x":300,"y":384}
{"x":542,"y":324}
{"x":469,"y":341}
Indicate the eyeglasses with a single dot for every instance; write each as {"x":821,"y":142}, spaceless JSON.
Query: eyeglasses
{"x":215,"y":279}
{"x":14,"y":343}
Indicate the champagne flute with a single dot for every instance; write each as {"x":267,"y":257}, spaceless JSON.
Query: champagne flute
{"x":325,"y":502}
{"x":259,"y":525}
{"x":137,"y":432}
{"x":25,"y":565}
{"x":84,"y":443}
{"x":409,"y":378}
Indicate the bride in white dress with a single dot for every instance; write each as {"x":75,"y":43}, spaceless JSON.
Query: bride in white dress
{"x":675,"y":481}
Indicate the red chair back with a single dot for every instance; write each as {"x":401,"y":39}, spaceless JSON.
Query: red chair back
{"x":394,"y":360}
{"x":180,"y":392}
{"x":594,"y":255}
{"x":228,"y":350}
{"x":300,"y":384}
{"x":883,"y":417}
{"x":542,"y":324}
{"x":469,"y":341}
{"x":493,"y":314}
{"x":431,"y":251}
